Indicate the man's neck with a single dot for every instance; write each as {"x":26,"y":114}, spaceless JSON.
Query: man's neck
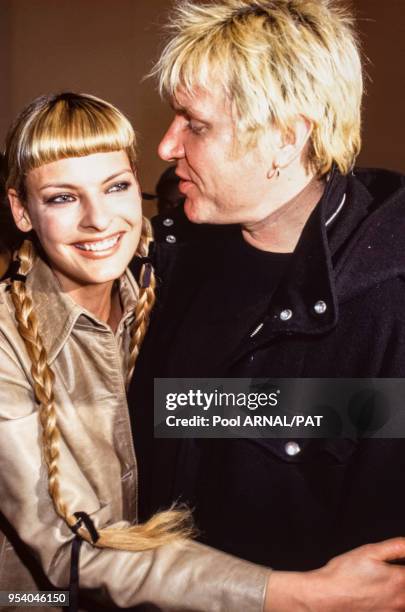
{"x":279,"y":232}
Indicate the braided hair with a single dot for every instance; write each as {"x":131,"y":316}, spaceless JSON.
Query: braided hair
{"x":146,"y":299}
{"x":107,"y":130}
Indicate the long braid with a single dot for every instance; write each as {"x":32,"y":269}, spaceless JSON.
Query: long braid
{"x":163,"y":527}
{"x":146,"y":299}
{"x":42,"y":375}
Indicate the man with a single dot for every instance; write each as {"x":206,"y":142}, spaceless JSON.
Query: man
{"x":294,"y":268}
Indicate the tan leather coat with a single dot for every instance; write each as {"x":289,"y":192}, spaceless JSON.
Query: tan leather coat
{"x":98,"y":469}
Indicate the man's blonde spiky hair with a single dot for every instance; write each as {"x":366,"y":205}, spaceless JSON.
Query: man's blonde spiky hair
{"x":276,"y":59}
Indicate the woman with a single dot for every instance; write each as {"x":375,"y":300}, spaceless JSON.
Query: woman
{"x":71,"y":323}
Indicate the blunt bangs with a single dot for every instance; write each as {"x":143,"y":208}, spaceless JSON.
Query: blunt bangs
{"x":62,"y":126}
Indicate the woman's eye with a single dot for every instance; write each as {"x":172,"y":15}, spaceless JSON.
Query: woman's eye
{"x":62,"y":198}
{"x":118,"y":187}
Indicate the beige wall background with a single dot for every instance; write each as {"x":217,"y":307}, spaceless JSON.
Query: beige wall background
{"x":105,"y":47}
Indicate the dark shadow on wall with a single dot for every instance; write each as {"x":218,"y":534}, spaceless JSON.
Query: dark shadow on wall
{"x":382,"y":29}
{"x":6,"y":110}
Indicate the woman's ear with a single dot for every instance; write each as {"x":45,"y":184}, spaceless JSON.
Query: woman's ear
{"x":19,"y":211}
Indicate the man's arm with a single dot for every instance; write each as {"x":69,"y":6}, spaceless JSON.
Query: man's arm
{"x":361,"y":580}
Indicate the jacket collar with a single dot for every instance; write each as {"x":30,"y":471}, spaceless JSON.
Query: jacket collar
{"x":377,"y":251}
{"x":58,"y":313}
{"x":306,"y":299}
{"x":352,"y":240}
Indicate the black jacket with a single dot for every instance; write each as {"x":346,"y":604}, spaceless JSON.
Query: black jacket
{"x":251,"y":498}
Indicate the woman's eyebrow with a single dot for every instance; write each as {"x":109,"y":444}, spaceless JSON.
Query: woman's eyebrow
{"x":63,"y":185}
{"x":72,"y":186}
{"x":113,"y":176}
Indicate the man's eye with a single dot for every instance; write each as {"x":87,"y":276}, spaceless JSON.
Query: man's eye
{"x":62,"y":198}
{"x":118,"y":187}
{"x":195,"y":127}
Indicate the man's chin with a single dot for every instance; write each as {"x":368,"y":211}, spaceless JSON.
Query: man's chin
{"x":203,"y":212}
{"x":194,"y":212}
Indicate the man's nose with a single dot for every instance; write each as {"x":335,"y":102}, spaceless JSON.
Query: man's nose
{"x":171,"y":146}
{"x":96,"y":212}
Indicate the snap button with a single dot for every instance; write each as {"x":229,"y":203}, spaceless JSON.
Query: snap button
{"x":320,"y":307}
{"x":171,"y":239}
{"x":286,"y":314}
{"x":168,"y":222}
{"x":292,"y":448}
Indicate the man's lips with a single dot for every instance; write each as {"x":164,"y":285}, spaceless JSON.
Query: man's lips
{"x":185,"y":183}
{"x":182,"y":177}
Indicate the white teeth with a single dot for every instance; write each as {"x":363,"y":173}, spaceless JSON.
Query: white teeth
{"x":101,"y":245}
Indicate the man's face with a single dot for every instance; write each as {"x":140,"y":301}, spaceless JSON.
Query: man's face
{"x":221,"y":184}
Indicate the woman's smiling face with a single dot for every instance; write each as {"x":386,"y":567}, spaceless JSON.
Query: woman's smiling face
{"x":86,"y":213}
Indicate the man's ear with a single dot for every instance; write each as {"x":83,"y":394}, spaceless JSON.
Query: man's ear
{"x":19,"y":211}
{"x":291,"y":145}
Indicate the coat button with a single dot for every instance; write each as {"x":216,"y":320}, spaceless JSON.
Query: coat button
{"x":320,"y":307}
{"x":286,"y":314}
{"x":168,"y":222}
{"x":171,"y":239}
{"x":292,"y":449}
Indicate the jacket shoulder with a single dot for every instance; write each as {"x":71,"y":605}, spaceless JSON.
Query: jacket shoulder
{"x":381,"y":183}
{"x":376,"y":251}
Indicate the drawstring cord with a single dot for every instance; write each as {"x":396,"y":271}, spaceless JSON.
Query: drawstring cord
{"x":82,"y":518}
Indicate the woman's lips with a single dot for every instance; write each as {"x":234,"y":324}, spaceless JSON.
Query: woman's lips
{"x":98,"y":249}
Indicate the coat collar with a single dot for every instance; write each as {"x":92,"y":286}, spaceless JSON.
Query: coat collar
{"x":306,"y":299}
{"x":57,"y":313}
{"x":377,"y":251}
{"x":360,"y":214}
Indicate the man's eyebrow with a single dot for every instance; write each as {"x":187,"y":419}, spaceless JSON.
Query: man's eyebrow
{"x":181,"y":110}
{"x":188,"y":111}
{"x":174,"y":105}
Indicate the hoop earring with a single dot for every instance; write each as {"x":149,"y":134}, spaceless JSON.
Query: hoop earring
{"x":274,"y":172}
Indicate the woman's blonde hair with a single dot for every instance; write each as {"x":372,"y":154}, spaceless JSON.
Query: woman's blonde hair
{"x":276,"y":60}
{"x":49,"y":129}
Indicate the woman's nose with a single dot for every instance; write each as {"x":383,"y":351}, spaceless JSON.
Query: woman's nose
{"x":96,"y":213}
